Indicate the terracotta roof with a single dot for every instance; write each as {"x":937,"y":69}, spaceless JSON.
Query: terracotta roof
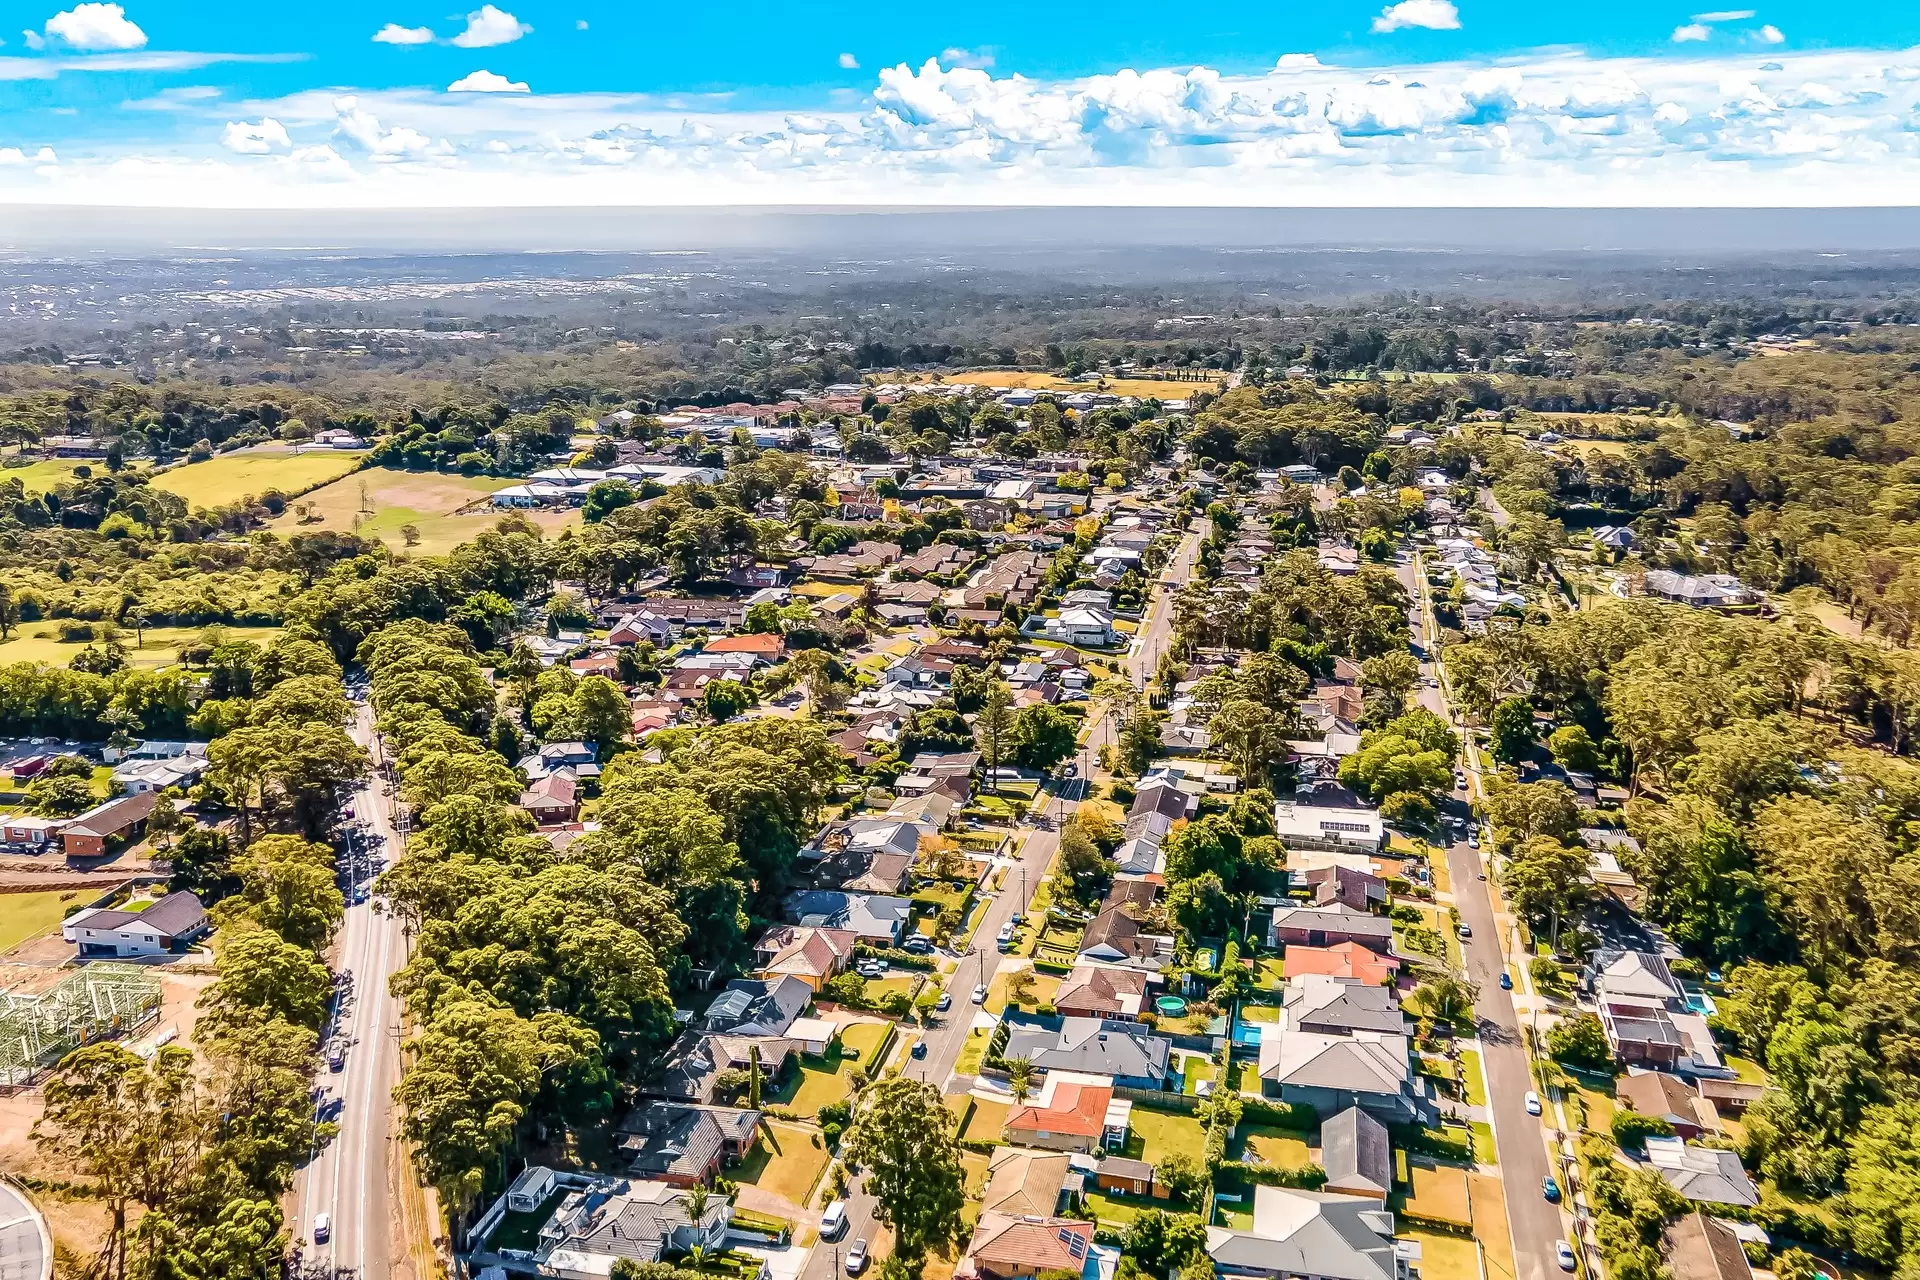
{"x":1005,"y":1244}
{"x":1071,"y":1108}
{"x":1342,"y":960}
{"x":762,"y":643}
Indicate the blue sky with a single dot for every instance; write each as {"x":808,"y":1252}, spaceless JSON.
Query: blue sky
{"x":1425,"y":101}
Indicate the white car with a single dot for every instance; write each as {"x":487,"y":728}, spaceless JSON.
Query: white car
{"x":322,"y":1227}
{"x":980,"y":994}
{"x":834,"y":1220}
{"x":1533,"y":1103}
{"x":1564,"y":1252}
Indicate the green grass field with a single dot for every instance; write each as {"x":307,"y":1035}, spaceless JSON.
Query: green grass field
{"x":426,"y":500}
{"x":248,"y":473}
{"x":28,"y":915}
{"x":1280,"y":1148}
{"x":44,"y":475}
{"x":160,"y":648}
{"x":1156,"y":1135}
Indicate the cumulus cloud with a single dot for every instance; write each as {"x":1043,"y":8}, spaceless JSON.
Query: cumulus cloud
{"x":488,"y":26}
{"x":361,"y":130}
{"x":12,"y":156}
{"x":264,"y":138}
{"x":487,"y":82}
{"x":849,"y":63}
{"x":1691,"y":31}
{"x":95,"y":26}
{"x":1771,"y":34}
{"x":1297,"y":62}
{"x":34,"y":39}
{"x":394,"y":33}
{"x":1434,"y":15}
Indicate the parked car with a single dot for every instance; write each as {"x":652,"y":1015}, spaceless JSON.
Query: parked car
{"x":834,"y":1220}
{"x":980,"y":994}
{"x":919,"y":1049}
{"x":322,"y":1227}
{"x":1550,"y":1189}
{"x":1564,"y":1252}
{"x":337,"y":1057}
{"x":1506,"y":982}
{"x":1465,"y":930}
{"x":918,"y":945}
{"x":1006,"y":935}
{"x":1473,"y":839}
{"x":857,"y":1258}
{"x":944,"y":1003}
{"x":1533,"y":1103}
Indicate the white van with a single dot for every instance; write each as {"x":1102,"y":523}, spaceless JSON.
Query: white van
{"x":834,"y":1220}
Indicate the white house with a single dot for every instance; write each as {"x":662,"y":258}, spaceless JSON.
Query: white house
{"x":169,"y":925}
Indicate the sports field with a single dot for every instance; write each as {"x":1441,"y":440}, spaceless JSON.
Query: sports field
{"x":426,"y":500}
{"x":248,"y":473}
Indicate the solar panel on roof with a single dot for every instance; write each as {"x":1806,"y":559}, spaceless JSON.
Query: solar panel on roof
{"x":1076,"y":1246}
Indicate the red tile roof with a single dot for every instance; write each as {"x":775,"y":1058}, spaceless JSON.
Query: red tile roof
{"x":1077,"y":1109}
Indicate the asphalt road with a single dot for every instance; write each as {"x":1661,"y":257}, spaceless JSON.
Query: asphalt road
{"x":1535,"y":1224}
{"x":348,"y":1178}
{"x":947,"y":1035}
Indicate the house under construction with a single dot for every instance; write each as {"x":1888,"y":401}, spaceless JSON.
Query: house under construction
{"x":42,"y":1022}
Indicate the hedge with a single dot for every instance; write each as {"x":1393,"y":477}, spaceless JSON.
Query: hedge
{"x":894,"y":956}
{"x":1282,"y":1115}
{"x":1306,"y":1178}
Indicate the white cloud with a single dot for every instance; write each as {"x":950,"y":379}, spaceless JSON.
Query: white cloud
{"x":1671,"y":113}
{"x":259,"y":139}
{"x":1771,"y":34}
{"x":95,"y":26}
{"x":360,"y":127}
{"x":34,"y":39}
{"x":580,"y":25}
{"x":1691,"y":31}
{"x":1724,"y":15}
{"x":486,"y":82}
{"x":849,"y":63}
{"x":1298,"y":62}
{"x":972,"y":59}
{"x":1434,"y":15}
{"x":488,"y":26}
{"x":15,"y":156}
{"x":394,"y":33}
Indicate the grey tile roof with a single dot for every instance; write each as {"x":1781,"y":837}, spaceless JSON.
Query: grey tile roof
{"x":1356,"y":1153}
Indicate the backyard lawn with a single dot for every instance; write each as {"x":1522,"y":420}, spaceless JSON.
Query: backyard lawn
{"x":1271,"y":1145}
{"x":248,"y":473}
{"x":786,"y":1161}
{"x":1270,"y":973}
{"x":1265,"y":1013}
{"x":1155,"y":1135}
{"x":1118,"y":1211}
{"x":818,"y":1081}
{"x":28,"y":915}
{"x":1197,"y":1068}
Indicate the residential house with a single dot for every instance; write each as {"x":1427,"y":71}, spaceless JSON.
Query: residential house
{"x":1705,"y":591}
{"x":552,"y":800}
{"x":1025,"y":1183}
{"x":31,"y":834}
{"x":577,"y":757}
{"x":950,"y":773}
{"x":1327,"y":1005}
{"x":1357,"y":1155}
{"x":1330,"y":827}
{"x":1666,"y":1097}
{"x":1116,"y":938}
{"x":169,"y":926}
{"x":1329,"y":926}
{"x":757,"y":1006}
{"x":814,"y":956}
{"x":1097,"y":991}
{"x":1160,"y":792}
{"x":1127,"y":1053}
{"x":147,"y":773}
{"x":1646,"y":1015}
{"x":1022,"y":1247}
{"x":1366,"y":1069}
{"x":1701,"y":1248}
{"x":1342,"y":960}
{"x":1082,"y":625}
{"x":694,"y":1065}
{"x":767,"y":646}
{"x":1311,"y":1235}
{"x":1704,"y":1175}
{"x":601,"y":1220}
{"x":876,"y":919}
{"x":108,"y":825}
{"x":683,"y":1145}
{"x":1071,"y":1112}
{"x":1334,"y":883}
